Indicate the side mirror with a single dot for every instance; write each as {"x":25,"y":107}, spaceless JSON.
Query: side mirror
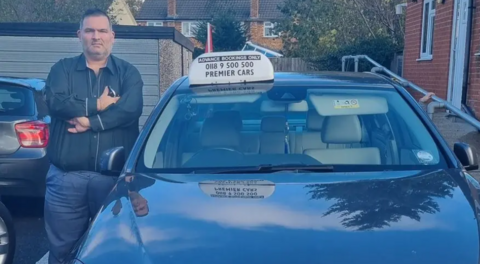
{"x":465,"y":154}
{"x":112,"y":161}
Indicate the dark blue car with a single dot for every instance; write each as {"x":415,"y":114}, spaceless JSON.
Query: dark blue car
{"x":238,"y":164}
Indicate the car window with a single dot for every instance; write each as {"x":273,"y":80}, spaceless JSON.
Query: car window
{"x":16,"y":100}
{"x":365,"y":129}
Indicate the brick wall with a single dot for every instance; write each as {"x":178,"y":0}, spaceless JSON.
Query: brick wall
{"x":432,"y":75}
{"x":473,"y":94}
{"x":256,"y":35}
{"x":172,"y":8}
{"x":254,"y":8}
{"x":178,"y":27}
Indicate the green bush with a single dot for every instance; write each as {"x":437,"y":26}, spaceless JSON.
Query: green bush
{"x":197,"y":52}
{"x":381,"y":50}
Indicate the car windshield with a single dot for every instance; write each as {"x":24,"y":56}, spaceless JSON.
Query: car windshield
{"x":16,"y":100}
{"x":356,"y":128}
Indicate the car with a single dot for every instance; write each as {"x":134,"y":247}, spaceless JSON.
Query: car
{"x":24,"y":135}
{"x":7,"y":236}
{"x":238,"y":163}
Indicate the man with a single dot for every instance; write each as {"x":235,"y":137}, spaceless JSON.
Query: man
{"x":95,"y":101}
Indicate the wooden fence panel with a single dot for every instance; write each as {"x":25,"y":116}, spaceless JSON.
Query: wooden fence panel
{"x":290,"y":65}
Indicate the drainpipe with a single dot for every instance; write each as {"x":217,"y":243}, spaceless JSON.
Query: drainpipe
{"x":431,"y":108}
{"x":466,"y":69}
{"x":399,"y":8}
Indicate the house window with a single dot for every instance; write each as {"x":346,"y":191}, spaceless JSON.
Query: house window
{"x":188,"y":28}
{"x":155,"y":23}
{"x":428,"y":24}
{"x":268,"y":30}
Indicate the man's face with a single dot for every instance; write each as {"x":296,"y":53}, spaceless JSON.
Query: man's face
{"x":96,"y":36}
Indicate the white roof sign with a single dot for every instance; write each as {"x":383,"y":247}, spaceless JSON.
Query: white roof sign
{"x":230,"y":67}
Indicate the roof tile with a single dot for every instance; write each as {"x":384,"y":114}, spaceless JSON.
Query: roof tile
{"x":204,"y":9}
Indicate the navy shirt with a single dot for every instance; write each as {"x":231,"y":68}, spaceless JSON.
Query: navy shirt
{"x":72,"y":90}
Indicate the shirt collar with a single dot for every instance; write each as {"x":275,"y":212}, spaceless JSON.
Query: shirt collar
{"x":82,"y":64}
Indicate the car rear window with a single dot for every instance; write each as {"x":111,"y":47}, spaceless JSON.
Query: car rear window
{"x":16,"y":100}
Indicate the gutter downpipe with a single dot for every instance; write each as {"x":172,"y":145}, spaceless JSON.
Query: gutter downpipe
{"x":466,"y":68}
{"x":431,"y":108}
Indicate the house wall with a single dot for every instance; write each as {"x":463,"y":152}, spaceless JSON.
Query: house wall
{"x":256,"y":35}
{"x":431,"y":75}
{"x":171,"y":65}
{"x":122,"y":13}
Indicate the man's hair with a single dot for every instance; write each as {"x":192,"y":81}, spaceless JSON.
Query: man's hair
{"x":94,"y":12}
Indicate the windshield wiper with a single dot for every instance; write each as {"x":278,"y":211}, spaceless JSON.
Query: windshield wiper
{"x":269,"y":168}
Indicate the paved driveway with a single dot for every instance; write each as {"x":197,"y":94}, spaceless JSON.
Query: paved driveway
{"x":457,"y":130}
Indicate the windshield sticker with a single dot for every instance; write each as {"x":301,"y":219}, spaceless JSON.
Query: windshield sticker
{"x":232,"y":89}
{"x":346,"y":103}
{"x":246,"y":189}
{"x":424,"y":157}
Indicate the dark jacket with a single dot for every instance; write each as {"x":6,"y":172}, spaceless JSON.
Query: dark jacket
{"x":72,"y":90}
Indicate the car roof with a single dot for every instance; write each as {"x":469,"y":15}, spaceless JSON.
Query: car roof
{"x":324,"y":78}
{"x":36,"y":83}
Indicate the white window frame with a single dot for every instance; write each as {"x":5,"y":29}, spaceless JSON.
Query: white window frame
{"x":428,"y":16}
{"x":155,"y":23}
{"x":187,"y":28}
{"x":269,"y":25}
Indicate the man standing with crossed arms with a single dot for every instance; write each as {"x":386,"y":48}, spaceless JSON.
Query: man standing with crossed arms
{"x":95,"y":101}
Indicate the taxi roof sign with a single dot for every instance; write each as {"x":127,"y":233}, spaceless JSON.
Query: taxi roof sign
{"x":230,"y":67}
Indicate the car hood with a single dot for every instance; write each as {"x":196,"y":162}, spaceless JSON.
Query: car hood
{"x":398,"y":217}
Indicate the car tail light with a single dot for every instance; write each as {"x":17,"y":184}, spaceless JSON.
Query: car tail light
{"x":33,"y":134}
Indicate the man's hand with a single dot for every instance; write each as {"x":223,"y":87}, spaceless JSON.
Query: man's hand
{"x":81,"y":124}
{"x":105,"y":100}
{"x":427,"y":97}
{"x":83,"y":121}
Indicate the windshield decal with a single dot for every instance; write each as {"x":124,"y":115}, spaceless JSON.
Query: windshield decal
{"x":243,"y":189}
{"x":346,"y":103}
{"x":424,"y":157}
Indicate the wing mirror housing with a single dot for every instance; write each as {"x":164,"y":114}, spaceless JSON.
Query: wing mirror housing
{"x":111,"y":161}
{"x":466,"y":155}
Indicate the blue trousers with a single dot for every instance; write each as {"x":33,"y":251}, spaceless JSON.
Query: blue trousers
{"x":71,"y":200}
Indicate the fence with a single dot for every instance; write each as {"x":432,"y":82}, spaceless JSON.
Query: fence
{"x":290,"y":65}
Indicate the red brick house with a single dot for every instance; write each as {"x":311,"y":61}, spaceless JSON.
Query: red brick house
{"x":184,"y":14}
{"x":442,"y":49}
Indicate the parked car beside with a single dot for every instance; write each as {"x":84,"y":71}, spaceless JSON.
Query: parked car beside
{"x":7,"y":236}
{"x":24,"y":134}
